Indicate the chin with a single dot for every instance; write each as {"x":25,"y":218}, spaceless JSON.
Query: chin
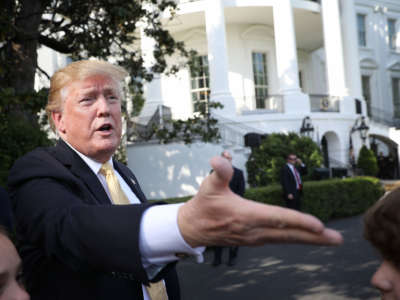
{"x":104,"y":153}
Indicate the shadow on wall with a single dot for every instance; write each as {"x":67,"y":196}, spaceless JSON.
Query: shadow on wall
{"x":171,"y":170}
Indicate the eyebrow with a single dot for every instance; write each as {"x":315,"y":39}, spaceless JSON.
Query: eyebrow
{"x":107,"y":88}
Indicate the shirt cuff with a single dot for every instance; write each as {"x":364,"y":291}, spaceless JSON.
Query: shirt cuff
{"x":160,"y":240}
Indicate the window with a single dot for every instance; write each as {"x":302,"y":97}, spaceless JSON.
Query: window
{"x":392,"y":33}
{"x":301,"y":80}
{"x":366,"y":90}
{"x":260,"y":78}
{"x":396,"y":96}
{"x":362,"y":36}
{"x":200,"y":83}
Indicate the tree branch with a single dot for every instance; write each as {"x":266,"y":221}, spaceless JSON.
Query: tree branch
{"x":55,"y":45}
{"x":43,"y":72}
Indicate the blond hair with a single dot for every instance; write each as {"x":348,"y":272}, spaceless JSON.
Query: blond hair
{"x":79,"y":70}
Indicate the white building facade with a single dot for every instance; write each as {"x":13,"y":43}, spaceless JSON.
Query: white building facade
{"x":272,"y":63}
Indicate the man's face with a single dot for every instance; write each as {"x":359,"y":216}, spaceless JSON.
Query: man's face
{"x":10,"y":272}
{"x":90,"y":119}
{"x":387,"y":280}
{"x":292,"y":159}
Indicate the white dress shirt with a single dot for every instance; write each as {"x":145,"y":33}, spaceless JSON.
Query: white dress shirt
{"x":159,"y":238}
{"x":298,"y":180}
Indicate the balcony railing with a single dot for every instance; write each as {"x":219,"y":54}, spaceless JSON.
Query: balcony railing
{"x":385,"y":117}
{"x":324,"y":103}
{"x":271,"y":104}
{"x":186,"y":1}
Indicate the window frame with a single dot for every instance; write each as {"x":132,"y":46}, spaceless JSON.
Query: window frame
{"x":265,"y":78}
{"x":201,"y":90}
{"x":396,"y":100}
{"x":367,"y":95}
{"x":362,"y":31}
{"x":392,"y":36}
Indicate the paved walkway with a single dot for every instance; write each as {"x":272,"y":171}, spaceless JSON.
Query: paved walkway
{"x":288,"y":272}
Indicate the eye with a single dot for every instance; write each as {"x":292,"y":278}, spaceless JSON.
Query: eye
{"x":112,"y":98}
{"x":20,"y":278}
{"x":86,"y":99}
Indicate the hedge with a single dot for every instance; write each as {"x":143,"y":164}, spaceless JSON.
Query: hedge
{"x":325,"y":199}
{"x":367,"y":162}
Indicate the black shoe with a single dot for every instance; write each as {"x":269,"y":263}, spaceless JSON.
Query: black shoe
{"x":232,"y":261}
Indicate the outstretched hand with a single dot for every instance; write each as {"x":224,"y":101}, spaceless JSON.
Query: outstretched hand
{"x":217,"y":216}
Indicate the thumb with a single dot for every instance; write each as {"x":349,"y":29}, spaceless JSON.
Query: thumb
{"x":223,"y":171}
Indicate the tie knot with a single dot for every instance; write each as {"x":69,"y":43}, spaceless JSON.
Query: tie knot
{"x":106,"y":169}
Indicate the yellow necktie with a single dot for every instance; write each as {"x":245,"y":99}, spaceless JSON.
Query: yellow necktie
{"x":116,"y":193}
{"x":156,"y":290}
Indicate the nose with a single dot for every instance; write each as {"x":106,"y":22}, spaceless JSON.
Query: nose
{"x":103,"y":106}
{"x":380,"y":279}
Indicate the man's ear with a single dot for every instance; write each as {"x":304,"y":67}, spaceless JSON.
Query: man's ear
{"x":58,"y":121}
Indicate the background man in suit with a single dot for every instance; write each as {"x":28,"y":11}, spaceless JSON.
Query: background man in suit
{"x":237,"y":185}
{"x":85,"y":229}
{"x":291,"y":181}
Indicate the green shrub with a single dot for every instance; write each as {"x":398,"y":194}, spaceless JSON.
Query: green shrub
{"x":325,"y":199}
{"x":367,"y":162}
{"x":265,"y":163}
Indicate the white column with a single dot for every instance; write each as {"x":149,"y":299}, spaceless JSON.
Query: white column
{"x":350,"y":42}
{"x":218,"y":57}
{"x":333,"y":48}
{"x":336,"y":75}
{"x":153,"y":89}
{"x":383,"y":57}
{"x":286,"y":58}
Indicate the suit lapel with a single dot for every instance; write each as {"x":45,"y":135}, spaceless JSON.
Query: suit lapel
{"x":130,"y":179}
{"x":80,"y":169}
{"x":291,"y":173}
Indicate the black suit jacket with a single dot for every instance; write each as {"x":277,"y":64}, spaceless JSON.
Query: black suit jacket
{"x":74,"y":244}
{"x":288,"y":181}
{"x":237,"y":184}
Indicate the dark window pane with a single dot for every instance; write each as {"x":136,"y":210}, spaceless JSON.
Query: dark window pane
{"x":396,"y":96}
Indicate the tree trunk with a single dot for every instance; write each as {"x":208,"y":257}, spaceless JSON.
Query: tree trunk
{"x":22,"y":49}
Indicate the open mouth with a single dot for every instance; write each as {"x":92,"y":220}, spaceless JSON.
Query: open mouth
{"x":105,"y":127}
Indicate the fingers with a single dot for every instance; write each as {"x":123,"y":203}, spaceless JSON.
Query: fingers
{"x":270,"y":216}
{"x":268,"y":223}
{"x":327,"y":237}
{"x":222,"y":170}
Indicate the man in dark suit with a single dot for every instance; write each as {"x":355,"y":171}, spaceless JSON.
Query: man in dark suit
{"x":84,"y":228}
{"x":291,"y":182}
{"x":74,"y":243}
{"x":237,"y":185}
